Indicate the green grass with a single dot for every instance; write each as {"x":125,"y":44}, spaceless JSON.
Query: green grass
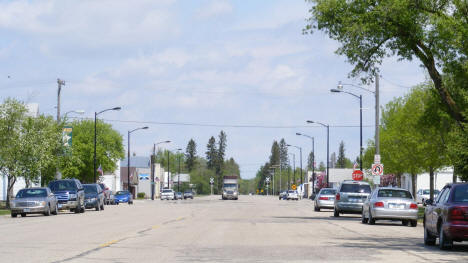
{"x":4,"y":212}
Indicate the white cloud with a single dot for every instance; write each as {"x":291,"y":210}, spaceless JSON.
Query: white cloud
{"x":214,"y":8}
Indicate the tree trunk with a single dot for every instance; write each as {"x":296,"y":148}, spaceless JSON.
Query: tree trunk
{"x":431,"y":183}
{"x":413,"y":184}
{"x":11,"y":183}
{"x":398,"y":179}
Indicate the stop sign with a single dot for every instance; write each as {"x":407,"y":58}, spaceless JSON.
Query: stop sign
{"x":357,"y":175}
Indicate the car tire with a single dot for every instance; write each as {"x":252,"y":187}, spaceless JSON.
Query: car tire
{"x":98,"y":207}
{"x":83,"y":209}
{"x":23,"y":214}
{"x":413,"y":223}
{"x":364,"y":219}
{"x":371,"y":219}
{"x":445,"y":243}
{"x":336,"y":213}
{"x":14,"y":215}
{"x":47,"y":212}
{"x":429,"y":239}
{"x":78,"y":208}
{"x":55,"y":210}
{"x":316,"y":208}
{"x":404,"y":222}
{"x":102,"y":206}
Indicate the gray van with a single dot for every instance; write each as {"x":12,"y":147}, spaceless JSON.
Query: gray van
{"x":350,"y":197}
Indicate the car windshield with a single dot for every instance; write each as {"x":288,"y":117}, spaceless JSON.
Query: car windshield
{"x":121,"y":193}
{"x":62,"y":186}
{"x":394,"y":193}
{"x":230,"y":185}
{"x":90,"y":189}
{"x":328,"y":192}
{"x":167,"y":191}
{"x":188,"y":192}
{"x":427,"y":192}
{"x":355,"y":188}
{"x":461,"y":193}
{"x":31,"y":193}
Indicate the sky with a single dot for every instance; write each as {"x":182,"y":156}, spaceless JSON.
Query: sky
{"x":189,"y":69}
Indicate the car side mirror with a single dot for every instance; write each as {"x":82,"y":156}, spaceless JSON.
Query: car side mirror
{"x":428,"y":202}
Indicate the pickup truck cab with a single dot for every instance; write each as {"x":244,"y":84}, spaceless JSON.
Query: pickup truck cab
{"x":167,"y":194}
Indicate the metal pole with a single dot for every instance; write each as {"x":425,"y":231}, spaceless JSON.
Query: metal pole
{"x":58,"y":175}
{"x":95,"y":135}
{"x":294,"y":169}
{"x":313,"y":165}
{"x":328,"y":154}
{"x":360,"y":126}
{"x":153,"y":171}
{"x":377,"y":115}
{"x":289,"y":174}
{"x":168,"y":174}
{"x":300,"y":152}
{"x":280,"y":174}
{"x":128,"y":162}
{"x":178,"y":183}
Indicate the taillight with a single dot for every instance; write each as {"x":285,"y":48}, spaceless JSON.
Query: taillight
{"x":337,"y":196}
{"x":457,"y":213}
{"x":323,"y":198}
{"x":378,"y":204}
{"x":413,"y":206}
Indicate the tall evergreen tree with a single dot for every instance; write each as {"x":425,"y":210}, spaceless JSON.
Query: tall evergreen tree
{"x":341,"y":161}
{"x":275,"y":153}
{"x":211,"y":153}
{"x":191,"y":155}
{"x":221,"y":152}
{"x":332,"y":160}
{"x":283,"y":154}
{"x":310,"y":161}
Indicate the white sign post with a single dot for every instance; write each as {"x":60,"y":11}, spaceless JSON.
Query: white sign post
{"x":211,"y":184}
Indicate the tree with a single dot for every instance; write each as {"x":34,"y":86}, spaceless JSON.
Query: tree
{"x":322,"y":167}
{"x":109,"y":149}
{"x":275,"y":153}
{"x":231,"y":167}
{"x":341,"y":161}
{"x":221,"y":152}
{"x":310,"y":161}
{"x":191,"y":155}
{"x":284,"y":154}
{"x":211,"y":153}
{"x":333,"y":160}
{"x":433,"y":31}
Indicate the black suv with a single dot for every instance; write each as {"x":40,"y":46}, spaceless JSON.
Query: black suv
{"x":70,"y":194}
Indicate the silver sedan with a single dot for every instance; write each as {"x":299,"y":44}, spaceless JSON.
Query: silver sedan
{"x":386,"y":203}
{"x":325,"y":199}
{"x":37,"y":200}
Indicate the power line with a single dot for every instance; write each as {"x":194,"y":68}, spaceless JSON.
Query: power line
{"x":395,"y":84}
{"x":225,"y":125}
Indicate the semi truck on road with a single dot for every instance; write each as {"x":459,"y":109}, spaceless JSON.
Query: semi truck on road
{"x":230,"y":187}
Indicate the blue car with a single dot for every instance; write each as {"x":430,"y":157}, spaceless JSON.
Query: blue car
{"x":123,"y":197}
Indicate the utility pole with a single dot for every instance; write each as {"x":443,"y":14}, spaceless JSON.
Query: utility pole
{"x":178,"y":174}
{"x":377,"y":115}
{"x":152,"y":171}
{"x":60,"y":82}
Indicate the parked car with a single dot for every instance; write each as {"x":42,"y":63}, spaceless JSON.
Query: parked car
{"x":447,"y":216}
{"x":111,"y":200}
{"x":107,"y":193}
{"x":386,"y":203}
{"x":123,"y":197}
{"x":167,"y":194}
{"x":325,"y":199}
{"x":283,"y":195}
{"x":178,"y":196}
{"x":69,"y":193}
{"x":37,"y":200}
{"x":188,"y":194}
{"x":424,"y":194}
{"x":94,"y":196}
{"x":292,"y":195}
{"x":350,"y":197}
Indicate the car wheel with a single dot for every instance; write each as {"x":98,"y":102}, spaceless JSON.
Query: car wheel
{"x":55,"y":210}
{"x":429,"y":239}
{"x":364,"y":220}
{"x":102,"y":206}
{"x":445,"y":242}
{"x":371,"y":219}
{"x":78,"y":208}
{"x":414,"y":223}
{"x":47,"y":212}
{"x":316,"y":208}
{"x":404,"y":222}
{"x":83,"y":209}
{"x":336,"y":213}
{"x":23,"y":214}
{"x":98,"y":207}
{"x":14,"y":215}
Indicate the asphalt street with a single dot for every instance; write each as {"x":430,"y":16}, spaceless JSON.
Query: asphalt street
{"x":208,"y":229}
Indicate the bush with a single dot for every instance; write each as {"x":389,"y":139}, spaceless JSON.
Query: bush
{"x":141,"y":195}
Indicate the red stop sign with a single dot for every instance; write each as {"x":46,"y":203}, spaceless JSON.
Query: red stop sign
{"x":357,"y":175}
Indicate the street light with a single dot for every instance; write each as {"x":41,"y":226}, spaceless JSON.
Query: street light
{"x":313,"y":158}
{"x":360,"y":120}
{"x":152,"y":167}
{"x":377,"y":108}
{"x":95,"y":135}
{"x":81,"y":112}
{"x":128,"y":155}
{"x":300,"y":157}
{"x":328,"y":145}
{"x":178,"y":173}
{"x":294,"y":172}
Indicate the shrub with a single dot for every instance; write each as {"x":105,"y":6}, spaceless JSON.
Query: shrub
{"x":141,"y":195}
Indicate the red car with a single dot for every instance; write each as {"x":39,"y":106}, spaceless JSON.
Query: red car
{"x":446,"y":218}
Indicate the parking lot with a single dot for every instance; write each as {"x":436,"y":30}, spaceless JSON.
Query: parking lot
{"x":208,"y":229}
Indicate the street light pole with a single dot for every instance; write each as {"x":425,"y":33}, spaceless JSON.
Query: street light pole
{"x":328,"y":147}
{"x":95,"y":135}
{"x":313,"y":159}
{"x":152,"y":168}
{"x":128,"y":155}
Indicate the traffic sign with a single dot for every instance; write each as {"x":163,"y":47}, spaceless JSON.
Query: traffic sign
{"x":377,"y":158}
{"x":377,"y":169}
{"x":377,"y":180}
{"x":293,"y":187}
{"x":357,"y":175}
{"x":211,"y":180}
{"x":267,"y":179}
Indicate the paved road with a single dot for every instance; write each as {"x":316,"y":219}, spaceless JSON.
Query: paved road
{"x":252,"y":229}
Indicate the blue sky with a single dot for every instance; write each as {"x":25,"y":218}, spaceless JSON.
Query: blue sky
{"x":209,"y":62}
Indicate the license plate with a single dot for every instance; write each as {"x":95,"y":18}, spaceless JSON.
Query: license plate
{"x":26,"y":210}
{"x":353,"y":200}
{"x":60,"y":206}
{"x":396,"y":206}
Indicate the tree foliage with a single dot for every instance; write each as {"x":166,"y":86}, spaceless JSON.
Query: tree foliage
{"x":191,"y":155}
